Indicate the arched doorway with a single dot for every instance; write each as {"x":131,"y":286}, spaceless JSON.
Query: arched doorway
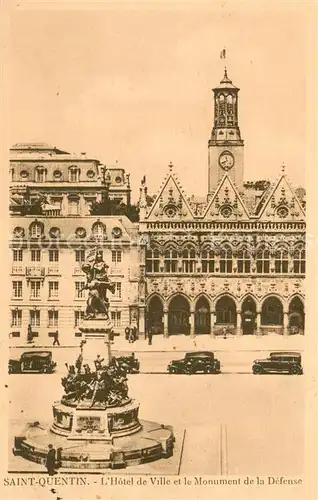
{"x":225,"y":312}
{"x":272,"y":312}
{"x":296,"y":315}
{"x":202,"y":316}
{"x":179,"y":314}
{"x":248,"y":313}
{"x":155,"y":315}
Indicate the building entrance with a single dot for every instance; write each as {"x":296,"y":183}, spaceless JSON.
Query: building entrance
{"x":202,"y":316}
{"x":179,"y":315}
{"x":155,"y":315}
{"x":248,"y":316}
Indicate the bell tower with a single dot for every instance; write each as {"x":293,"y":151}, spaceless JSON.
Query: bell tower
{"x":226,"y":148}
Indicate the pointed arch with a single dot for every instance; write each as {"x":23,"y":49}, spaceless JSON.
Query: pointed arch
{"x":225,"y":310}
{"x":179,"y":314}
{"x":154,"y":313}
{"x":202,"y":315}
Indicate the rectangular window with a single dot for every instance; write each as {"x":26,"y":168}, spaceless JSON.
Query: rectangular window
{"x":79,"y":292}
{"x":117,"y":294}
{"x":34,"y":318}
{"x":207,"y":260}
{"x":35,"y":289}
{"x":53,"y":318}
{"x":16,"y":317}
{"x":35,"y":255}
{"x":116,"y":318}
{"x":73,"y":207}
{"x":152,"y":261}
{"x":53,"y":289}
{"x":80,"y":255}
{"x":17,"y":289}
{"x":18,"y":255}
{"x":78,"y":317}
{"x":116,"y":256}
{"x":53,"y":255}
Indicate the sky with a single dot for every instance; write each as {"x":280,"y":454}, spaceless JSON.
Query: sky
{"x":132,"y":84}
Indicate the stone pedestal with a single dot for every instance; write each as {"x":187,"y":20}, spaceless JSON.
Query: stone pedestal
{"x":96,"y":336}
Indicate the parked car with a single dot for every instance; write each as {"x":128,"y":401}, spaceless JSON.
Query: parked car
{"x":195,"y":362}
{"x":129,"y":363}
{"x":279,"y":362}
{"x":33,"y":362}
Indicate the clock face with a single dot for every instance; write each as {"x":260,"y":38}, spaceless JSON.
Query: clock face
{"x":226,"y":160}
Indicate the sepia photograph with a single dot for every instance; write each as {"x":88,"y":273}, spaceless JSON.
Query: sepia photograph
{"x":157,"y":169}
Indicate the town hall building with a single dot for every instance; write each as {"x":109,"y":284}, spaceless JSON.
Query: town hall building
{"x":234,"y":263}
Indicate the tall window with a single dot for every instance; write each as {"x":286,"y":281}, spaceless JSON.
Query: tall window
{"x":262,"y":261}
{"x":36,"y":230}
{"x":53,"y":318}
{"x":17,"y":289}
{"x":16,"y":317}
{"x":117,"y":294}
{"x":35,"y":289}
{"x":40,"y":174}
{"x":152,"y":261}
{"x":207,"y":260}
{"x":226,"y":260}
{"x":281,"y":261}
{"x":53,"y":289}
{"x":188,"y":260}
{"x":73,"y":206}
{"x":116,"y":256}
{"x":78,"y":317}
{"x":243,"y":261}
{"x":116,"y":318}
{"x":73,"y":174}
{"x":79,"y":293}
{"x":53,"y":255}
{"x":80,"y":255}
{"x":34,"y":318}
{"x":35,"y":255}
{"x":299,"y":261}
{"x":18,"y":255}
{"x":171,"y":261}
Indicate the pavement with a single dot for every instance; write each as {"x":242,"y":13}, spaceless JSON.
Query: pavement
{"x":201,"y":342}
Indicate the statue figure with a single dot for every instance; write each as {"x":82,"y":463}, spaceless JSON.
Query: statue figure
{"x":97,"y":282}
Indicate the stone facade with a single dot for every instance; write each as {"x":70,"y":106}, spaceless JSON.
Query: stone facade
{"x":47,"y":254}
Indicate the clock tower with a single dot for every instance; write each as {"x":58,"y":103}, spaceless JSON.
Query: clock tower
{"x":226,"y":148}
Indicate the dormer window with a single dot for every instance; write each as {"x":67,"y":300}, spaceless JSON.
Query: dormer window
{"x":99,"y":231}
{"x":40,"y":174}
{"x":36,"y":230}
{"x":74,"y":174}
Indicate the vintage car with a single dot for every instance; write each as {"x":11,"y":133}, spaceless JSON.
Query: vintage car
{"x":279,"y":362}
{"x":33,"y":362}
{"x":129,"y":363}
{"x":195,"y":362}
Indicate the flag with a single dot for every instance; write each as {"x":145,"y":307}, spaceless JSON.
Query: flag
{"x":223,"y":54}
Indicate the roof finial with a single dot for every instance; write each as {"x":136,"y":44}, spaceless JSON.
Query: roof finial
{"x":283,"y":167}
{"x":225,"y":72}
{"x":171,"y":165}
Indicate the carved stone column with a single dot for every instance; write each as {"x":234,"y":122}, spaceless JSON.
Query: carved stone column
{"x":212,"y":317}
{"x":258,"y":322}
{"x":285,"y":323}
{"x":165,"y":323}
{"x":142,"y":322}
{"x":238,"y":322}
{"x":192,"y":333}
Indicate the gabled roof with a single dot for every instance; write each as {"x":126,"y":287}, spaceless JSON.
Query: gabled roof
{"x":171,"y":201}
{"x":281,"y":203}
{"x":226,"y":203}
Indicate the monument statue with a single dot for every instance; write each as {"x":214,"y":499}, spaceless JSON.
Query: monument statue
{"x":97,"y":282}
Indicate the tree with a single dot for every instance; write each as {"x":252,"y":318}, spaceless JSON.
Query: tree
{"x":115,"y":207}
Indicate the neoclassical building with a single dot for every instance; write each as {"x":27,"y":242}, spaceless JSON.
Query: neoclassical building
{"x":235,"y":261}
{"x":47,"y":277}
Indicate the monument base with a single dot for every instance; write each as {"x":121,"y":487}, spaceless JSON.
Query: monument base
{"x":151,"y":442}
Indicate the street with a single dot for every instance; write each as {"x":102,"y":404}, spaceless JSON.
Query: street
{"x":262,"y":415}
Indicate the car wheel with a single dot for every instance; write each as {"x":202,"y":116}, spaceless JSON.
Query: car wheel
{"x":45,"y":370}
{"x":208,"y":369}
{"x":257,"y":370}
{"x":10,"y":370}
{"x":294,"y":370}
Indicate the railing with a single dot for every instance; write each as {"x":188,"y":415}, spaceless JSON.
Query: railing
{"x":17,"y":270}
{"x":115,"y":270}
{"x":52,"y":270}
{"x":78,"y":270}
{"x":35,"y":272}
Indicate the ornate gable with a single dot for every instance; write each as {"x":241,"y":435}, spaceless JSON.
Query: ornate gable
{"x":171,"y":202}
{"x":226,"y":203}
{"x":282,"y":203}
